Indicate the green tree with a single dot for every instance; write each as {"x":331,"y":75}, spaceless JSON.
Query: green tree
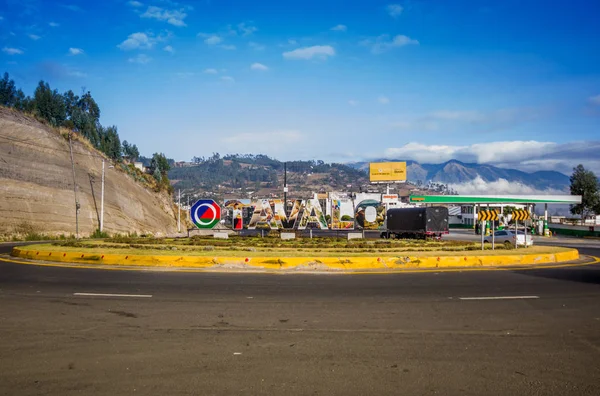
{"x":157,"y":175}
{"x":8,"y":91}
{"x":49,"y":104}
{"x":85,"y":125}
{"x":71,"y":103}
{"x":88,"y":105}
{"x":134,"y":152}
{"x":160,"y":162}
{"x":110,"y":144}
{"x":130,"y":151}
{"x":23,"y":103}
{"x":585,"y":183}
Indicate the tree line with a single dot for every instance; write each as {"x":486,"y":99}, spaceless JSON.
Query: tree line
{"x":68,"y":110}
{"x":79,"y":114}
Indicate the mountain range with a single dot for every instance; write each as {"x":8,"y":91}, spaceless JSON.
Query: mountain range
{"x":457,"y":172}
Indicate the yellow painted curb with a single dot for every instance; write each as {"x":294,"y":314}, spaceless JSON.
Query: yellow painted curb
{"x":309,"y":262}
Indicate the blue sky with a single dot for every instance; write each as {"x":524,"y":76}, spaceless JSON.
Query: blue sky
{"x":510,"y":83}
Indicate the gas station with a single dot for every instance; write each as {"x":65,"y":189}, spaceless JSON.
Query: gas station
{"x":473,"y":204}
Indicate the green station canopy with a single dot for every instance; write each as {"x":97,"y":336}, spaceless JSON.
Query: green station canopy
{"x":496,"y":199}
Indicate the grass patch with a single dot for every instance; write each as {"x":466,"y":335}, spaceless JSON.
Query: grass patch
{"x":97,"y":247}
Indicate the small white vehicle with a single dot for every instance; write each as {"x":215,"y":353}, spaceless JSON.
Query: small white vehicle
{"x":508,"y":237}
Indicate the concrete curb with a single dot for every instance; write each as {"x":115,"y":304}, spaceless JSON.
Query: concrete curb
{"x":298,"y":263}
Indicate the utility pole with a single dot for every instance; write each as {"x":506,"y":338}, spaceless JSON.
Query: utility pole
{"x":102,"y":200}
{"x":285,"y":189}
{"x":179,"y":212}
{"x":74,"y":189}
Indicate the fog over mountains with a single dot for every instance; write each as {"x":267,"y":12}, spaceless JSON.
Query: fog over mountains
{"x":474,"y":178}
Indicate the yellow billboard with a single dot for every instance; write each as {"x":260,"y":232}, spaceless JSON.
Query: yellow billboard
{"x":387,"y":172}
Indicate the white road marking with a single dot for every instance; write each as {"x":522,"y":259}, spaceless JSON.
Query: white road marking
{"x":500,"y":298}
{"x":113,"y":295}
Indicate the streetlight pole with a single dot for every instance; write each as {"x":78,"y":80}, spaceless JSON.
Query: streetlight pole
{"x":179,"y":212}
{"x":77,"y":206}
{"x":285,"y":189}
{"x":102,"y":200}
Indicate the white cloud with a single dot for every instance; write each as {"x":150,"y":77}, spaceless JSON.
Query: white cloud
{"x":212,"y":40}
{"x":259,"y":66}
{"x":500,"y":186}
{"x":12,"y":51}
{"x":595,"y":100}
{"x":339,"y":28}
{"x":292,"y":42}
{"x":317,"y":51}
{"x":246,"y":30}
{"x":142,"y":59}
{"x":493,"y":152}
{"x":172,"y":17}
{"x":34,"y":36}
{"x":394,"y":10}
{"x":169,"y":49}
{"x":228,"y":47}
{"x":134,"y":3}
{"x":256,"y":46}
{"x":228,"y":79}
{"x":75,"y":51}
{"x":241,"y":29}
{"x":529,"y":156}
{"x":384,"y":42}
{"x":210,"y":71}
{"x":53,"y":24}
{"x":137,"y":41}
{"x":383,"y":100}
{"x":353,"y":102}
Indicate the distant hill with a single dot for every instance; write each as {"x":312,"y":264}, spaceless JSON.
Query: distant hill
{"x":456,"y":172}
{"x":261,"y":176}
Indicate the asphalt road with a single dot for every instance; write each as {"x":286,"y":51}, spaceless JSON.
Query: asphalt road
{"x":172,"y":333}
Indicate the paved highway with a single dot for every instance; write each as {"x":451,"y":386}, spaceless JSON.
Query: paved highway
{"x":80,"y":331}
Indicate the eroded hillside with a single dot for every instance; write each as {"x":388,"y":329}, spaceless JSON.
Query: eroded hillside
{"x":36,"y":186}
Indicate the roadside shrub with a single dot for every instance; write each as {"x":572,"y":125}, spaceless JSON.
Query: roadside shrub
{"x":35,"y":236}
{"x":97,"y":234}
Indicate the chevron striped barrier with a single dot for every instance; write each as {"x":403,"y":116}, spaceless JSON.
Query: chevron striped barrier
{"x":487,"y":215}
{"x":520,"y":215}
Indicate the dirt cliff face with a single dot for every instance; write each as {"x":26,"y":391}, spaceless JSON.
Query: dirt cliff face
{"x":36,"y":186}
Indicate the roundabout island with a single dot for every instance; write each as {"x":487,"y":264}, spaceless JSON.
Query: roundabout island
{"x":271,"y":254}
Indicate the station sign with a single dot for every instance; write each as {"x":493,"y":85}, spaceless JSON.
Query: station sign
{"x":205,"y":214}
{"x":389,"y":198}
